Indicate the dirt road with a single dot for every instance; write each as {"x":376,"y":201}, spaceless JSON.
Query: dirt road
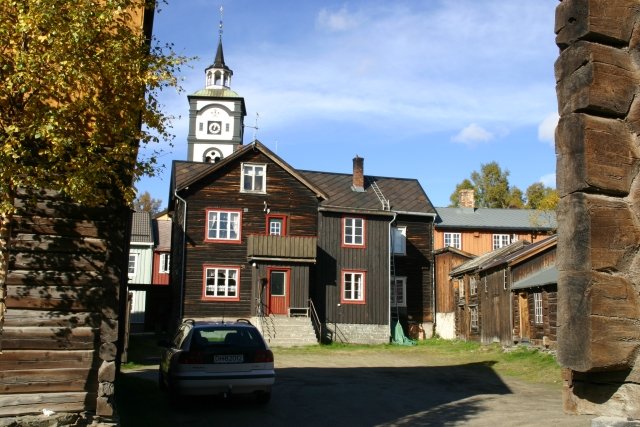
{"x":383,"y":389}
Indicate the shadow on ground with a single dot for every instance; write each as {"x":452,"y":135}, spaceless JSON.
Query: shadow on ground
{"x":422,"y":396}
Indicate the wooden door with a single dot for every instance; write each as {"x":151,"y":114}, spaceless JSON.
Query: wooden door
{"x":523,"y":311}
{"x":278,"y":288}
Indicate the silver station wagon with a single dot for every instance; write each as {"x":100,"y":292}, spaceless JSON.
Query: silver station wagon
{"x":217,"y":358}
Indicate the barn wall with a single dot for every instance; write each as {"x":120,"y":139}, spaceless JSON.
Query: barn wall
{"x":60,"y":339}
{"x":597,"y":75}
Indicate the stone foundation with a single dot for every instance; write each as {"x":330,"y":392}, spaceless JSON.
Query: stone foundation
{"x":349,"y":333}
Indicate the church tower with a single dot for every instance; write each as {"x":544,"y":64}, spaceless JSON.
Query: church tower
{"x":216,"y":113}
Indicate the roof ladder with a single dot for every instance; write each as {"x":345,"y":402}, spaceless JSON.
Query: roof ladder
{"x":385,"y":203}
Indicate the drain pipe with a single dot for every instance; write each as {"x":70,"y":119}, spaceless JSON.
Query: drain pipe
{"x":395,"y":215}
{"x":184,"y":252}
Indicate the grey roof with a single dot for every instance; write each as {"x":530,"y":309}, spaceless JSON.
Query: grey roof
{"x":404,"y":195}
{"x":333,"y":189}
{"x":480,"y":261}
{"x":544,"y":277}
{"x":141,"y":227}
{"x":523,"y":253}
{"x":219,"y":93}
{"x":184,"y":173}
{"x":162,"y":230}
{"x":506,"y":219}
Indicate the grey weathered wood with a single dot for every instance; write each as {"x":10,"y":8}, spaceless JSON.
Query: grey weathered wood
{"x":47,"y":359}
{"x":19,"y":404}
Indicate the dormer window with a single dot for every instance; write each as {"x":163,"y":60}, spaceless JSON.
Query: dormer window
{"x":254,"y":178}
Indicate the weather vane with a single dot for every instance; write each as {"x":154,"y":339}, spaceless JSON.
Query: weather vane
{"x":220,"y":26}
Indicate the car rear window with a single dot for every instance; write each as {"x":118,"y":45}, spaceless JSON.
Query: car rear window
{"x":226,"y":337}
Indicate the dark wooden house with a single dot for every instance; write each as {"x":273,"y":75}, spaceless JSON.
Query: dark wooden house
{"x":254,"y":237}
{"x":484,"y":297}
{"x":242,"y":248}
{"x":534,"y":285}
{"x":510,"y":295}
{"x":374,"y":255}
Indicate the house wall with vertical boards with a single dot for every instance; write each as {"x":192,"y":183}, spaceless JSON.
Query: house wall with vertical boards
{"x":373,"y":259}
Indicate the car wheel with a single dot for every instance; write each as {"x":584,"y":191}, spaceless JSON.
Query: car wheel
{"x":263,"y":397}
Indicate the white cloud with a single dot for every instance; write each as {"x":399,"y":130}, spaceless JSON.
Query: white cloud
{"x":547,"y":128}
{"x":473,"y":134}
{"x":549,"y":180}
{"x":337,"y":21}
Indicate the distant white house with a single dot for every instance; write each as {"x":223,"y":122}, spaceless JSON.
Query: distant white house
{"x":140,"y":265}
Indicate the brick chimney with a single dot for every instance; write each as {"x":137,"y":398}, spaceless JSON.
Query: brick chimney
{"x":358,"y":173}
{"x":467,"y":198}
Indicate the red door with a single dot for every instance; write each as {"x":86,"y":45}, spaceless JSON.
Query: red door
{"x":278,"y":291}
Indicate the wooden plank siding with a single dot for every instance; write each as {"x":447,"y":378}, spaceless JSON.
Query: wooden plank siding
{"x":157,"y":278}
{"x":417,"y":267}
{"x":67,"y":266}
{"x":446,"y":300}
{"x":299,"y":279}
{"x":478,"y":242}
{"x":372,"y":259}
{"x":285,"y":195}
{"x":495,"y":307}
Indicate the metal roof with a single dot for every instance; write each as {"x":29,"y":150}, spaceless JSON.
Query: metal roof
{"x":141,"y":227}
{"x":489,"y":257}
{"x":523,"y":253}
{"x":507,"y":219}
{"x":219,"y":93}
{"x":544,"y":277}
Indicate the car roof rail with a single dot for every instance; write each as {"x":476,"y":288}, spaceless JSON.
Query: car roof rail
{"x":244,"y":321}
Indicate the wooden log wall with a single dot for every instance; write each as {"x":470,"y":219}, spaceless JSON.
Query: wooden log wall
{"x":598,"y":159}
{"x":59,"y":343}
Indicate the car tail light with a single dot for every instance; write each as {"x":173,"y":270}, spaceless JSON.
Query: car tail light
{"x":263,"y":356}
{"x":191,"y":358}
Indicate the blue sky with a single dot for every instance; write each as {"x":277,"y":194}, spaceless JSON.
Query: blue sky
{"x":425,"y":89}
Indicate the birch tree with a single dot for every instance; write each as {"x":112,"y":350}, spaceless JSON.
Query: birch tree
{"x":78,"y":98}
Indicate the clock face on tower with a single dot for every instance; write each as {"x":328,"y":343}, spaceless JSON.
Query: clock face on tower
{"x":214,"y":127}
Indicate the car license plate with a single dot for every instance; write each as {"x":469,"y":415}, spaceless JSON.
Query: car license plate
{"x":228,"y":358}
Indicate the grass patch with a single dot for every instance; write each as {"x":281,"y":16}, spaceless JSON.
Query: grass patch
{"x":143,"y":351}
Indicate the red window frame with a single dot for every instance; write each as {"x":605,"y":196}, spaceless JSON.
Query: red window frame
{"x":343,"y":300}
{"x":364,"y":233}
{"x":276,"y":216}
{"x":206,"y":226}
{"x":205,"y":267}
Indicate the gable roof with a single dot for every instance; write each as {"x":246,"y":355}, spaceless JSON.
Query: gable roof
{"x":141,"y":228}
{"x":496,"y":219}
{"x":478,"y":262}
{"x":404,"y":195}
{"x":543,"y":277}
{"x":185,"y":173}
{"x":523,"y":254}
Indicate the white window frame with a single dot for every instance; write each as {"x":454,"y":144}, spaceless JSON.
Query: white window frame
{"x":461,"y":288}
{"x":401,"y":286}
{"x":353,"y":229}
{"x":231,"y":231}
{"x":132,"y":267}
{"x":537,"y":308}
{"x":473,"y":317}
{"x":399,"y":240}
{"x":356,"y":292}
{"x":453,"y":240}
{"x":473,"y":286}
{"x":501,"y":240}
{"x":213,"y":289}
{"x":165,"y":263}
{"x":248,"y":178}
